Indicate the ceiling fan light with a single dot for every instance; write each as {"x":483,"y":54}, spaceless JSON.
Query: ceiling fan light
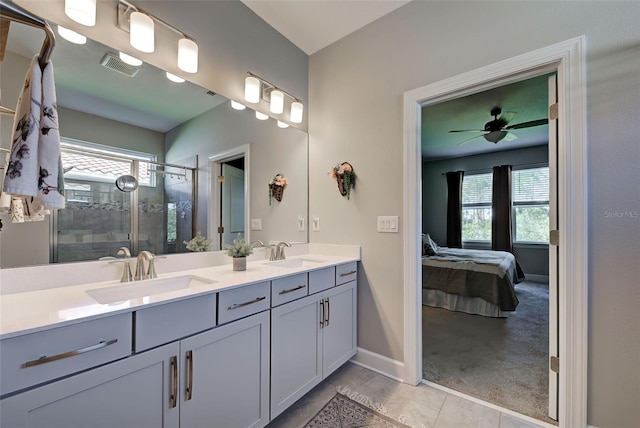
{"x":141,"y":34}
{"x":277,"y":102}
{"x":130,"y":59}
{"x":188,"y":55}
{"x":81,"y":11}
{"x":237,"y":106}
{"x":252,"y":89}
{"x":71,"y":36}
{"x":296,"y":112}
{"x":261,"y":116}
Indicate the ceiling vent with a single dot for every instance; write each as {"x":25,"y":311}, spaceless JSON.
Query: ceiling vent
{"x":112,"y":62}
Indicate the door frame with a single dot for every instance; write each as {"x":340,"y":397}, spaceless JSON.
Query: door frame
{"x":567,"y":59}
{"x":215,"y":195}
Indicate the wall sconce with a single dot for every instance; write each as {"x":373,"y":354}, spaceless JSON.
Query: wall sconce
{"x":81,"y":11}
{"x":141,"y":27}
{"x":256,"y":87}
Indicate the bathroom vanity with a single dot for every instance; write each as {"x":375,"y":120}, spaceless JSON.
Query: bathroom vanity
{"x":219,"y":349}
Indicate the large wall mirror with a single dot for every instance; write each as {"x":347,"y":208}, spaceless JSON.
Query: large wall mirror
{"x":176,"y":139}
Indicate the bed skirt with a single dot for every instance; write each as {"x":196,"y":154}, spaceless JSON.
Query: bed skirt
{"x":454,"y":302}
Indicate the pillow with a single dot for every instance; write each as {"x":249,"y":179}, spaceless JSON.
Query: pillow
{"x":429,"y":248}
{"x":434,"y":246}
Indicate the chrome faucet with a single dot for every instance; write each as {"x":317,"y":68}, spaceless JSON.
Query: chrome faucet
{"x":280,"y":250}
{"x":151,"y":271}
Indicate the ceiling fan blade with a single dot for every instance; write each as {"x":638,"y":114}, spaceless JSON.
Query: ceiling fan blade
{"x":469,"y":139}
{"x":510,"y":136}
{"x":528,"y":124}
{"x":468,"y":130}
{"x":507,"y":116}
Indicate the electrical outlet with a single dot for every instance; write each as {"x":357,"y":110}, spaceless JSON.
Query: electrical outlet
{"x":256,"y":224}
{"x":316,"y":224}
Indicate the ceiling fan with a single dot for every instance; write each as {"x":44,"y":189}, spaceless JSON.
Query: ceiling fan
{"x":499,"y":129}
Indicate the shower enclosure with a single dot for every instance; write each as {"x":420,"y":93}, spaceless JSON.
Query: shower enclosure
{"x":98,"y":219}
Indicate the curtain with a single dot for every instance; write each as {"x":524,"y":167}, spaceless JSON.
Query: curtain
{"x":454,"y":208}
{"x":501,"y":204}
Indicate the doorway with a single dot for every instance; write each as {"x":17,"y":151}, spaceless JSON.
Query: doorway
{"x":567,"y":60}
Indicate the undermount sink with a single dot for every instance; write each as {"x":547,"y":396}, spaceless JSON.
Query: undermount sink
{"x":145,"y":288}
{"x":295,"y":263}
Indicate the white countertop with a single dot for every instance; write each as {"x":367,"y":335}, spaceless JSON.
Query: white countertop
{"x":32,"y":311}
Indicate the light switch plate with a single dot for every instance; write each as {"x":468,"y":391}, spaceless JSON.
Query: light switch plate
{"x":387,"y":224}
{"x":256,"y":224}
{"x":316,"y":224}
{"x":300,"y":223}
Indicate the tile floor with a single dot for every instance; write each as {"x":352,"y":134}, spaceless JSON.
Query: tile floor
{"x":417,"y":406}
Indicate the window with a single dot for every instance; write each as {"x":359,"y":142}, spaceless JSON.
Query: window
{"x":530,"y":194}
{"x":476,"y":207}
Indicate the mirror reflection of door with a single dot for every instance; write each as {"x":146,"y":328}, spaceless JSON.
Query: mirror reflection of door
{"x":232,"y":201}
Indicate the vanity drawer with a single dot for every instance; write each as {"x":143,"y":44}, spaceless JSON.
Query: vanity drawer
{"x":43,"y":356}
{"x":244,"y":301}
{"x":322,"y":279}
{"x":346,"y":272}
{"x":165,"y":323}
{"x":290,"y":288}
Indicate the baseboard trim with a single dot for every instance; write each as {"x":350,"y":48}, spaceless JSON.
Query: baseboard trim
{"x":380,"y":364}
{"x":536,"y":278}
{"x":490,"y":405}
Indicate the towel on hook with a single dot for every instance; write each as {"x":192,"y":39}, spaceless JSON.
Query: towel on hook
{"x":35,"y":167}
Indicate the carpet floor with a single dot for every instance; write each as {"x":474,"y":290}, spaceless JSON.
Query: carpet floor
{"x":500,"y":360}
{"x":342,"y":412}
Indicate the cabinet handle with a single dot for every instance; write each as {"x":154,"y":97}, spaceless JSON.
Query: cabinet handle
{"x":328,"y":312}
{"x":347,"y":273}
{"x":293,"y":289}
{"x":173,"y":398}
{"x":250,"y":302}
{"x":189,"y":391}
{"x":322,"y":314}
{"x":44,"y":359}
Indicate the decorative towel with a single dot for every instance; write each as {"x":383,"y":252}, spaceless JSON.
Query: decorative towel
{"x":35,"y":167}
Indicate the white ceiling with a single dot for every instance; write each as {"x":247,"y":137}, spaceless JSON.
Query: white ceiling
{"x":314,"y":24}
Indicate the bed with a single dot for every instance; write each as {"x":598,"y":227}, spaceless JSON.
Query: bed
{"x":479,"y":282}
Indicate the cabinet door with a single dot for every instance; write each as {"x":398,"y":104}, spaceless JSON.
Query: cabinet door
{"x":295,"y":360}
{"x":134,"y":392}
{"x":339,"y":341}
{"x":225,"y":374}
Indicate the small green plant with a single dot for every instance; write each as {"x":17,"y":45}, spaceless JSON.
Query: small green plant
{"x":239,"y":248}
{"x":198,"y":243}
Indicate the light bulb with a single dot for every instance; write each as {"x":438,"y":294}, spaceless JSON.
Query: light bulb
{"x":277,"y":102}
{"x":81,"y":11}
{"x":261,"y":116}
{"x":71,"y":36}
{"x":282,"y":125}
{"x":174,"y":78}
{"x":141,"y":34}
{"x":237,"y":106}
{"x":252,"y":89}
{"x":129,"y":59}
{"x":188,"y":55}
{"x":296,"y":112}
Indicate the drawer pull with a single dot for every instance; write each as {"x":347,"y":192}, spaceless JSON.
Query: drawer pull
{"x":347,"y":273}
{"x":326,"y":323}
{"x":322,"y":316}
{"x":250,"y":302}
{"x":45,"y":359}
{"x":173,"y":398}
{"x":189,"y":391}
{"x":291,"y":290}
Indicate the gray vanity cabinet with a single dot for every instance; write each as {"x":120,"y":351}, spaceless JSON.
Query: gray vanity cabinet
{"x":134,"y":392}
{"x":310,"y":338}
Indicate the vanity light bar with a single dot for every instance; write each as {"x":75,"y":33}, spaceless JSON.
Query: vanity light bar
{"x":255,"y":87}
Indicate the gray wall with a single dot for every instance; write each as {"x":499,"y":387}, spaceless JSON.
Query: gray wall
{"x":355,"y":92}
{"x":534,"y":259}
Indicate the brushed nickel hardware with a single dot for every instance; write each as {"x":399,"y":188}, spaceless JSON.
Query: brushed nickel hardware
{"x":347,"y":273}
{"x":250,"y":302}
{"x":127,"y":276}
{"x":189,"y":390}
{"x":293,"y":289}
{"x":322,"y":316}
{"x":554,"y":237}
{"x":173,"y":397}
{"x":44,"y":359}
{"x":280,"y":250}
{"x":554,"y":364}
{"x":328,"y":312}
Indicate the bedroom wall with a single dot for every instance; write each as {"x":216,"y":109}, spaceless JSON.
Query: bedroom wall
{"x":534,"y":259}
{"x":355,"y":115}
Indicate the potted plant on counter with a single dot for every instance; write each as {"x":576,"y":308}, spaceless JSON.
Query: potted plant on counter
{"x":239,"y":250}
